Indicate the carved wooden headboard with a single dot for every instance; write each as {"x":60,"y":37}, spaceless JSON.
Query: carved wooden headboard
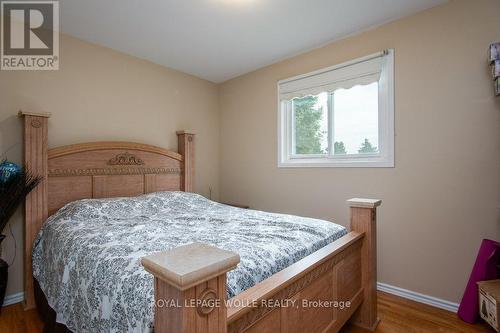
{"x":94,"y":170}
{"x":110,"y":169}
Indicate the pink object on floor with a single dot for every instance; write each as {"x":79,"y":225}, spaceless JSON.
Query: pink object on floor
{"x":485,"y":268}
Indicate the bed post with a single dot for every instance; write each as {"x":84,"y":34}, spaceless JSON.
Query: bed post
{"x":36,"y":207}
{"x":190,"y":288}
{"x":185,"y":142}
{"x":363,"y":220}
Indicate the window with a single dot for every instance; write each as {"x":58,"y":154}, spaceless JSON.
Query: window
{"x":342,"y":116}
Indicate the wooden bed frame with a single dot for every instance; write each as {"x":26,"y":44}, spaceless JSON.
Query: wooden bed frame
{"x":319,"y":293}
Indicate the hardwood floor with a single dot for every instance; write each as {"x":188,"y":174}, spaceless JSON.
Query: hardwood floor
{"x":397,"y":315}
{"x":15,"y":320}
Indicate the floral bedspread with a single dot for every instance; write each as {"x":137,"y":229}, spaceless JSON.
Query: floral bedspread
{"x":87,"y":256}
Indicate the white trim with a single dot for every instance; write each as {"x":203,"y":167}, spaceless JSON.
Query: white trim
{"x":13,"y":298}
{"x":418,"y":297}
{"x":384,"y":159}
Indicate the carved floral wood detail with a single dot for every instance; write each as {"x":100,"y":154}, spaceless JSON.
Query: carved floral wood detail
{"x":125,"y":159}
{"x":36,"y":123}
{"x":207,"y":301}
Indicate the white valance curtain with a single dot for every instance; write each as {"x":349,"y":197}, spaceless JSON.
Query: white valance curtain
{"x":357,"y":72}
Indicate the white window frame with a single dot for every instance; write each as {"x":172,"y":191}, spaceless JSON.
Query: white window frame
{"x":383,"y":159}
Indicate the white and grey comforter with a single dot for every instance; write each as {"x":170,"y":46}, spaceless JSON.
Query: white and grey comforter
{"x":87,"y":256}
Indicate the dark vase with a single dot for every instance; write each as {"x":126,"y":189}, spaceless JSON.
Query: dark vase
{"x":4,"y":275}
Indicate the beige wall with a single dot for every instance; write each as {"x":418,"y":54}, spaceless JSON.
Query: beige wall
{"x":442,"y":197}
{"x":100,"y":94}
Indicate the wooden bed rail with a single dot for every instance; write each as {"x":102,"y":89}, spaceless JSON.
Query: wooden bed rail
{"x":190,"y":287}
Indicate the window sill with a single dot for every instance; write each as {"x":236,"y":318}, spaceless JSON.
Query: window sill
{"x":359,"y":162}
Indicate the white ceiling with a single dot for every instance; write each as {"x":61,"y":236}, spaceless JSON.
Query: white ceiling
{"x":221,"y":39}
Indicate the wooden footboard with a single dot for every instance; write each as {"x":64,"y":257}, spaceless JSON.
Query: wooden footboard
{"x":319,"y":293}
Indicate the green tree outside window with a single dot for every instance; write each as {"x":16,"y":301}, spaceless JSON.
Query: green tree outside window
{"x":339,"y":148}
{"x":308,"y":134}
{"x":367,"y":147}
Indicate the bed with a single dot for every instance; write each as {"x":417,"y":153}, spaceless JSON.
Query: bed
{"x":113,"y":235}
{"x":87,"y":256}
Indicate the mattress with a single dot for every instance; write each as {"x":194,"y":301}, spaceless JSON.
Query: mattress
{"x":86,"y":257}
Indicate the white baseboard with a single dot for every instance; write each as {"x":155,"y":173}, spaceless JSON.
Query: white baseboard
{"x":13,"y":298}
{"x":418,"y":297}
